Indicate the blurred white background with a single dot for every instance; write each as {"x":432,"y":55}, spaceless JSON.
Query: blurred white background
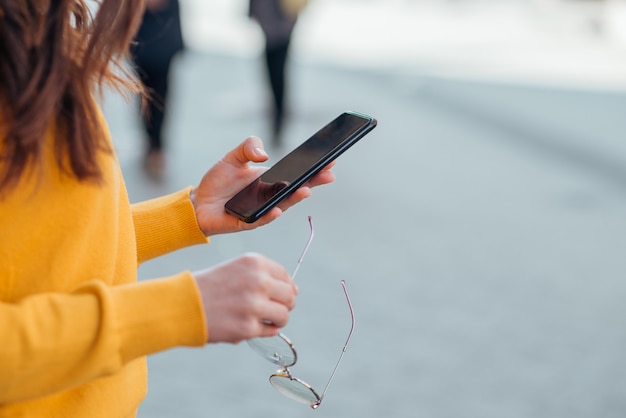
{"x":564,"y":42}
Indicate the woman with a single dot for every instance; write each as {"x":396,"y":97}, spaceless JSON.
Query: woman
{"x":75,"y":324}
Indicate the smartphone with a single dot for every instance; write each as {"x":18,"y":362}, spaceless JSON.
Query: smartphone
{"x":297,"y":167}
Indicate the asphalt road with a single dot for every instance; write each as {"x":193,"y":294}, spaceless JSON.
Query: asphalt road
{"x":480,"y":230}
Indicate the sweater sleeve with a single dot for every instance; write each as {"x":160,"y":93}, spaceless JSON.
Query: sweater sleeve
{"x":93,"y":332}
{"x":166,"y":224}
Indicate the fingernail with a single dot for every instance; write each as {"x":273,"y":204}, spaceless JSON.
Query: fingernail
{"x":260,"y":152}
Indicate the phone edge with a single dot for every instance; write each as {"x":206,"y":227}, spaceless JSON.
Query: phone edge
{"x":283,"y":194}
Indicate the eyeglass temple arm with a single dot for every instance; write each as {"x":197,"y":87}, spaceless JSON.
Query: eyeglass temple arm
{"x":306,"y":248}
{"x":345,"y":291}
{"x":345,"y":347}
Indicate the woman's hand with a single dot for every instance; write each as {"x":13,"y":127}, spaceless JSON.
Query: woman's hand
{"x":231,"y":174}
{"x":247,"y":297}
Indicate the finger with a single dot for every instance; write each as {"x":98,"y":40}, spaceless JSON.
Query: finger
{"x":283,"y":293}
{"x":273,"y":314}
{"x":284,"y":289}
{"x":255,"y":150}
{"x":323,"y":177}
{"x":251,"y":149}
{"x":295,"y":198}
{"x":268,"y":330}
{"x":330,"y":165}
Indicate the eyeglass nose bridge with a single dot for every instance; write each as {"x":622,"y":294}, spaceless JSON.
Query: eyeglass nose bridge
{"x":286,"y":373}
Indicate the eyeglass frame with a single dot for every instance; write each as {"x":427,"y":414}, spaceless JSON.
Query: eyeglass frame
{"x":284,"y":372}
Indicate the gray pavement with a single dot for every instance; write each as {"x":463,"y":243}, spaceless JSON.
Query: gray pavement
{"x":480,"y":229}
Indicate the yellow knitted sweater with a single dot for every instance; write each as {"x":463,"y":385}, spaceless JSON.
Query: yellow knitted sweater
{"x":75,"y":325}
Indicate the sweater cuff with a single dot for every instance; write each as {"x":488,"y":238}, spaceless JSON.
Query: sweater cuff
{"x":166,"y":224}
{"x":159,"y":314}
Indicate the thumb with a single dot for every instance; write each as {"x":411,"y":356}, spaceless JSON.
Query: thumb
{"x":250,"y":150}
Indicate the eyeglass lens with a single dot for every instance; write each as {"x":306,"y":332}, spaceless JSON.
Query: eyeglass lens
{"x":295,"y":389}
{"x":277,"y":350}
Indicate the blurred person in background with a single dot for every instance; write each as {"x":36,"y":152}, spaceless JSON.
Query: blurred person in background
{"x":158,"y":41}
{"x":277,"y":19}
{"x":75,"y":324}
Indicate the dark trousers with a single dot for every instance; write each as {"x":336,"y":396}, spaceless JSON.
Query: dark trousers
{"x":158,"y":41}
{"x":276,"y":60}
{"x":155,"y":79}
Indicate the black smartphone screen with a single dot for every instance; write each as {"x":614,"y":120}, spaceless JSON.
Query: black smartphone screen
{"x":298,"y":166}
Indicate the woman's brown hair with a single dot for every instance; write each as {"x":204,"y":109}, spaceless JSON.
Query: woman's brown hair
{"x":54,"y":56}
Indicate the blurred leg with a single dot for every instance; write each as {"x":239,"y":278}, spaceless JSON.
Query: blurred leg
{"x":276,"y":61}
{"x":155,"y":78}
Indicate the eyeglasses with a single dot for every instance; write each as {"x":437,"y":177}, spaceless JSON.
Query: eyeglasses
{"x":280,"y":351}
